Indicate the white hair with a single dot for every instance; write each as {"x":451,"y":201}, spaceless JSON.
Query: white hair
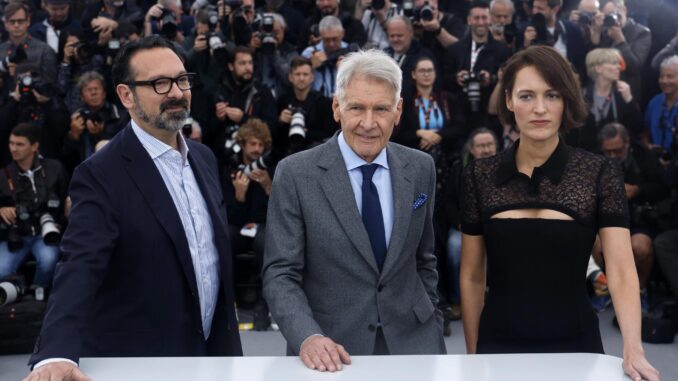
{"x":671,"y":61}
{"x":373,"y":64}
{"x":277,"y":17}
{"x":505,"y":2}
{"x":330,"y":23}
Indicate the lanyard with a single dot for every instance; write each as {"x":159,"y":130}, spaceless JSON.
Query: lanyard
{"x":432,"y":106}
{"x":475,"y":50}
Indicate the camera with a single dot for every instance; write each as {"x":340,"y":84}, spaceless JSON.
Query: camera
{"x":29,"y":81}
{"x":261,"y":163}
{"x":611,"y":19}
{"x":212,"y":18}
{"x":263,"y":26}
{"x":539,"y":25}
{"x":49,"y":230}
{"x":423,"y":13}
{"x":315,"y":31}
{"x":11,"y":289}
{"x":378,"y":4}
{"x":586,"y":18}
{"x":88,"y":114}
{"x":168,"y":24}
{"x":472,"y":82}
{"x":214,"y":42}
{"x":16,"y":231}
{"x":83,"y":52}
{"x":408,"y":9}
{"x":18,"y":56}
{"x":298,"y":122}
{"x":333,"y":57}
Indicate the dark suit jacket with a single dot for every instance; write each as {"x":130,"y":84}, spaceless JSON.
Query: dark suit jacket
{"x":126,"y":286}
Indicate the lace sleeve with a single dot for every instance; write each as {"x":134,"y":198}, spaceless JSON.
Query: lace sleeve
{"x":470,"y":215}
{"x":612,"y":205}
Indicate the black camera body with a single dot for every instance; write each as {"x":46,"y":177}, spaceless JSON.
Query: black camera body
{"x":611,"y":19}
{"x":30,"y":81}
{"x":472,"y":88}
{"x":378,"y":5}
{"x":168,"y":24}
{"x":30,"y":215}
{"x":334,"y":56}
{"x":586,"y":18}
{"x":90,"y":115}
{"x":263,"y":26}
{"x":83,"y":52}
{"x":423,"y":13}
{"x":261,"y":163}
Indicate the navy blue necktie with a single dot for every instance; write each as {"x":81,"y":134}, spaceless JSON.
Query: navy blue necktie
{"x":372,"y":217}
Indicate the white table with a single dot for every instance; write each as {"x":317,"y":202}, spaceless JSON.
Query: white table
{"x":524,"y":367}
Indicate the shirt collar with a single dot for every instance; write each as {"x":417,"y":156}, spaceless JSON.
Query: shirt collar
{"x":157,"y":148}
{"x":354,"y":161}
{"x":553,"y":168}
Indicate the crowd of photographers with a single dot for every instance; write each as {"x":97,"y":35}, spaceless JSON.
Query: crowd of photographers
{"x":267,"y":71}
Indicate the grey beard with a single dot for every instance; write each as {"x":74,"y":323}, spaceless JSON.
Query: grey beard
{"x":165,"y":121}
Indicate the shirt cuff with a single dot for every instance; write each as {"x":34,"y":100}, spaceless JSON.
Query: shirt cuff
{"x":56,"y":359}
{"x":306,"y":339}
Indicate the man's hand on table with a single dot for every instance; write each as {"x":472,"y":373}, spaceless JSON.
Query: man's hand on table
{"x":57,"y":371}
{"x":323,"y":354}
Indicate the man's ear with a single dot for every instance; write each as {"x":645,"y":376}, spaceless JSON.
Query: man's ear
{"x":335,"y":109}
{"x":126,"y":95}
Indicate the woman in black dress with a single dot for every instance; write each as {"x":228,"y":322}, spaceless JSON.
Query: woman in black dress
{"x":531,"y":214}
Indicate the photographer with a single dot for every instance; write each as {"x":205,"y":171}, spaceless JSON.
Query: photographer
{"x":305,"y":115}
{"x":247,"y":187}
{"x":502,"y":26}
{"x":374,"y":15}
{"x":58,"y":19}
{"x":661,"y":114}
{"x":404,"y":49}
{"x":102,"y":18}
{"x":166,"y":18}
{"x":644,"y":185}
{"x":325,"y":55}
{"x":272,"y":54}
{"x":471,"y":65}
{"x":34,"y":100}
{"x":546,"y":29}
{"x":435,"y":29}
{"x":613,"y":28}
{"x":354,"y":30}
{"x":76,"y":58}
{"x":32,"y":194}
{"x":96,"y":120}
{"x":237,"y":99}
{"x":21,"y":47}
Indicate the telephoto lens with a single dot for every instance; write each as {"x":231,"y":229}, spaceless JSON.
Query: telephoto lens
{"x":49,"y":230}
{"x":10,"y":291}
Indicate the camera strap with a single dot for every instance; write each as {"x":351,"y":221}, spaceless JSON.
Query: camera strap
{"x":475,"y":51}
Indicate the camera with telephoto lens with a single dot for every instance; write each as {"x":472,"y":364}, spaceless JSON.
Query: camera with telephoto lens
{"x":231,"y":147}
{"x":187,"y":128}
{"x":88,"y":114}
{"x":297,"y":131}
{"x":261,"y":163}
{"x":212,"y":18}
{"x":22,"y":226}
{"x":30,"y":81}
{"x":378,"y":5}
{"x":18,"y":56}
{"x":11,"y":289}
{"x":472,"y":82}
{"x":262,"y":25}
{"x":49,"y":229}
{"x":83,"y":52}
{"x":408,"y":9}
{"x":28,"y":216}
{"x":611,"y":19}
{"x":168,"y":24}
{"x":423,"y":13}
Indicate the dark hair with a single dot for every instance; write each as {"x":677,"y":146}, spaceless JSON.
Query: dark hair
{"x":63,"y":39}
{"x":122,"y":72}
{"x":12,"y":8}
{"x":254,"y":128}
{"x":240,"y":49}
{"x":27,"y":130}
{"x":557,"y":72}
{"x":298,"y":61}
{"x":554,"y":3}
{"x":479,"y":4}
{"x":611,"y":131}
{"x":478,"y":131}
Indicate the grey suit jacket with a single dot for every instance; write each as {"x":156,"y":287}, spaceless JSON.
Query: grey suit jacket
{"x":320,"y":275}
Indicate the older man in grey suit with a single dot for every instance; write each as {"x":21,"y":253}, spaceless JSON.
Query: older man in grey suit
{"x":349,"y":264}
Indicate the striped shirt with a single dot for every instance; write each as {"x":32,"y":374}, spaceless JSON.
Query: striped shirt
{"x":180,"y":181}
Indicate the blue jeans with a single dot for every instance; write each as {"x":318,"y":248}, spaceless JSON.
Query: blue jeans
{"x":453,"y":263}
{"x":45,"y":256}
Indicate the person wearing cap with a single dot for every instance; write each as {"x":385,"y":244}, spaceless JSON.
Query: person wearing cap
{"x":58,"y":19}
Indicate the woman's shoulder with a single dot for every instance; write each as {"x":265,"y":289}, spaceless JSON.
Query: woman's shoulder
{"x":588,"y":163}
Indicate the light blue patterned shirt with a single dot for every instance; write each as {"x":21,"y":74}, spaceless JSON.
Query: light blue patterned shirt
{"x":180,"y":181}
{"x":381,"y":179}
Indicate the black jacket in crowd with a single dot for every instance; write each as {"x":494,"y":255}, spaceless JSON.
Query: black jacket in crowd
{"x":354,"y":31}
{"x":642,"y":168}
{"x":408,"y":61}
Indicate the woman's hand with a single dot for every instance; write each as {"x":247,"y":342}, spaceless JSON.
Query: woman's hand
{"x":638,"y":368}
{"x":428,"y":139}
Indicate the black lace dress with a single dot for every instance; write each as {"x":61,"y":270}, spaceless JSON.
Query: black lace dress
{"x":536,"y":268}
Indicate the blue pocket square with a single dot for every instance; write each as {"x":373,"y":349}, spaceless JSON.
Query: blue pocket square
{"x":420,"y":200}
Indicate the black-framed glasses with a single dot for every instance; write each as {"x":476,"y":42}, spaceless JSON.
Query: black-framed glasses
{"x":163,"y":85}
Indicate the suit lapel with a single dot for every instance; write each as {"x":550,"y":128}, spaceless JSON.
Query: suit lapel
{"x":146,"y":176}
{"x":337,"y":188}
{"x":403,"y":190}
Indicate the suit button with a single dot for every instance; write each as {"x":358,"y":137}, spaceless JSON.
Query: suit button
{"x":372,"y":327}
{"x":380,"y":287}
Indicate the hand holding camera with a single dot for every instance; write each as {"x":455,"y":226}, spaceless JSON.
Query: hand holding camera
{"x":77,"y":125}
{"x":101,"y":23}
{"x":285,"y":116}
{"x":8,"y":215}
{"x":318,"y":58}
{"x":200,"y":43}
{"x":154,"y":12}
{"x":220,"y":110}
{"x":240,"y":183}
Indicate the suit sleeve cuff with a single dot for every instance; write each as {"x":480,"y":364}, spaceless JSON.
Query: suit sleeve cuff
{"x":306,"y":339}
{"x":56,"y":359}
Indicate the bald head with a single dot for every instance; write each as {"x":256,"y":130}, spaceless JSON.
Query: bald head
{"x":590,"y":6}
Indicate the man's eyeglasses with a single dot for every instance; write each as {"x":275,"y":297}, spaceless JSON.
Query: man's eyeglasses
{"x":163,"y":85}
{"x":16,"y":21}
